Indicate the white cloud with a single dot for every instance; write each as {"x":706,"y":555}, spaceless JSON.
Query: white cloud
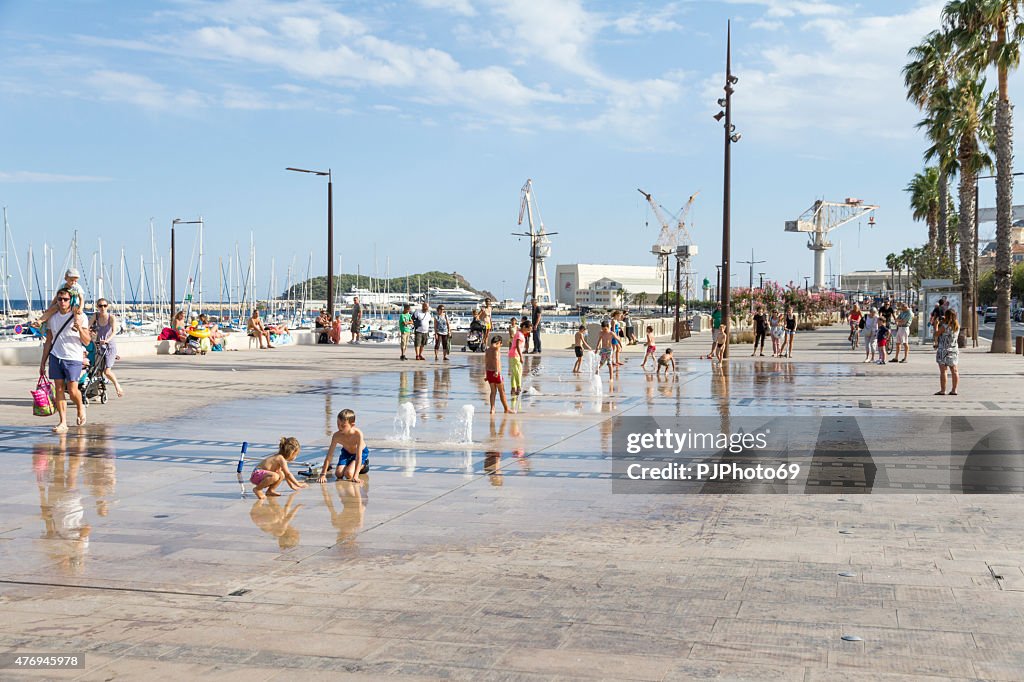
{"x":847,"y":80}
{"x":767,"y":24}
{"x":461,"y":7}
{"x":649,"y":20}
{"x":31,"y":176}
{"x":120,"y":86}
{"x":795,"y":8}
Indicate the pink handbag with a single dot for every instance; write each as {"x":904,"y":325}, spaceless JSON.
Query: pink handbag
{"x":42,"y":398}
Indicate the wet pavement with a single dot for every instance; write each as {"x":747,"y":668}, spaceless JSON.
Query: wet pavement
{"x":503,"y":553}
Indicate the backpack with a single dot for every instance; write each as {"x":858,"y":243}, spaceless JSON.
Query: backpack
{"x":862,"y":322}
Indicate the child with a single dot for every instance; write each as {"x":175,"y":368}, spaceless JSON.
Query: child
{"x":604,"y":347}
{"x":269,"y":473}
{"x":492,"y":367}
{"x":883,"y":339}
{"x":77,"y":296}
{"x":665,"y":361}
{"x":651,"y":348}
{"x":579,"y":344}
{"x":405,"y":328}
{"x":776,"y":334}
{"x":870,"y":335}
{"x":718,"y":349}
{"x":355,"y":455}
{"x":513,"y":328}
{"x":515,"y":357}
{"x":617,"y":333}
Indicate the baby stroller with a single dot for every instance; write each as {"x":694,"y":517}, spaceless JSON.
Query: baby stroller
{"x":475,"y":336}
{"x":93,"y":384}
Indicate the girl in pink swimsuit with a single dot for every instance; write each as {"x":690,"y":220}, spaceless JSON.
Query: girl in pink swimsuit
{"x":270,"y":472}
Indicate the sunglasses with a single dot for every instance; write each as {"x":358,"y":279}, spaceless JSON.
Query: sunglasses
{"x":102,"y":305}
{"x":63,"y":298}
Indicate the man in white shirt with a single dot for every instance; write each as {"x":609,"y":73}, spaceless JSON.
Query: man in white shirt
{"x":67,"y":334}
{"x":421,"y":325}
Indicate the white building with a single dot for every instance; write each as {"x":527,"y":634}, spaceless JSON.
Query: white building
{"x":635,"y":279}
{"x":604,"y":293}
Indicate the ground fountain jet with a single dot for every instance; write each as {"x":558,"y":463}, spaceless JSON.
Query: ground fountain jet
{"x":464,"y":427}
{"x":405,"y":422}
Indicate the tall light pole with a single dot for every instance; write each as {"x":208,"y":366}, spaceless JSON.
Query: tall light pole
{"x":177,"y":221}
{"x":330,"y":235}
{"x":752,"y":263}
{"x":730,"y":136}
{"x":761,"y":283}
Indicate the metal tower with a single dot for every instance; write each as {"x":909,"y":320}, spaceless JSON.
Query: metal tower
{"x":822,"y":218}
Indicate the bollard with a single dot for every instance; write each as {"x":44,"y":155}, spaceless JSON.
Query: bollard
{"x":241,"y":457}
{"x":1020,"y":345}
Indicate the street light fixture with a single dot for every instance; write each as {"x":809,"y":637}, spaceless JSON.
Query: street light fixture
{"x":731,"y":136}
{"x":330,"y":234}
{"x":179,"y":221}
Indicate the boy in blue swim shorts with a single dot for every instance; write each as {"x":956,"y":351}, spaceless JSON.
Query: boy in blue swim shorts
{"x":354,"y":458}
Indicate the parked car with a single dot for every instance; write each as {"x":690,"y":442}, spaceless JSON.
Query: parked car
{"x":990,"y":314}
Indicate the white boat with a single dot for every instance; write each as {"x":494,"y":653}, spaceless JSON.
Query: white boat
{"x":454,"y":298}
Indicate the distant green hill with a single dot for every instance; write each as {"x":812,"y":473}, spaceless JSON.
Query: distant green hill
{"x":416,"y":283}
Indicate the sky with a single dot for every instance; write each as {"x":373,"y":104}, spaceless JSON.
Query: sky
{"x":431,"y":115}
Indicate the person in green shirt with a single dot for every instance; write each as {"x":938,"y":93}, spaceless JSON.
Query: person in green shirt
{"x":405,"y":327}
{"x":716,"y":322}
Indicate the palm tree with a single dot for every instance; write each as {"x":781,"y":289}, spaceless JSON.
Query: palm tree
{"x":925,"y":203}
{"x":890,"y":262}
{"x":967,"y":113}
{"x":989,"y":33}
{"x":925,"y":78}
{"x":907,"y":259}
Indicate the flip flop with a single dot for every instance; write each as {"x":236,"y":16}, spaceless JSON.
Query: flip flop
{"x":60,"y":428}
{"x":82,"y":421}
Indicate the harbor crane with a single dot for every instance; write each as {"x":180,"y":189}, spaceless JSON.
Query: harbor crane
{"x":673,"y":239}
{"x":819,"y":220}
{"x":537,"y":288}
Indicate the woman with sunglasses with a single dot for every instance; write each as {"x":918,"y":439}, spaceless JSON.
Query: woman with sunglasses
{"x":104,"y":325}
{"x":67,"y":334}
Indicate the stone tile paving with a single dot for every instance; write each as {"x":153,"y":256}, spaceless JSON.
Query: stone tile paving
{"x":135,"y":543}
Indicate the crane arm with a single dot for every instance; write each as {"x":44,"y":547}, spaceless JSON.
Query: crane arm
{"x":665,"y":236}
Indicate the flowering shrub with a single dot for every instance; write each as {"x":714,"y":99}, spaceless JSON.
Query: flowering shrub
{"x":809,"y":305}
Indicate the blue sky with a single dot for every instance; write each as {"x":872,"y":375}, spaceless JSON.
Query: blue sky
{"x":432,"y":114}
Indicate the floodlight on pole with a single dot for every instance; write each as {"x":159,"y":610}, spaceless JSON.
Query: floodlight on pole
{"x":330,"y":233}
{"x":177,"y":221}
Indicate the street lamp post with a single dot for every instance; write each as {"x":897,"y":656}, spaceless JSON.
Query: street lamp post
{"x":760,"y":284}
{"x":807,"y":286}
{"x":752,"y":263}
{"x":730,"y":136}
{"x":178,"y":221}
{"x":330,"y":235}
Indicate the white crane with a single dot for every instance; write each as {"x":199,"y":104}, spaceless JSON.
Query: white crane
{"x":537,"y":288}
{"x":673,"y":239}
{"x":822,"y":218}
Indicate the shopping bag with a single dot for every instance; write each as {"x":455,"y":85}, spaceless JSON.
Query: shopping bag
{"x":42,"y":398}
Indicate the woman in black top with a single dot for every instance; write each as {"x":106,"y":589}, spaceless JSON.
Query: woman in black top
{"x":760,"y":330}
{"x":787,"y":344}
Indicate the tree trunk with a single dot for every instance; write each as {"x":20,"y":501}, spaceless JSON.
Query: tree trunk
{"x":968,"y":175}
{"x":943,"y":227}
{"x":1001,"y":341}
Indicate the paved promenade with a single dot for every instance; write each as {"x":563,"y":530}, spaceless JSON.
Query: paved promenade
{"x":133,"y":541}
